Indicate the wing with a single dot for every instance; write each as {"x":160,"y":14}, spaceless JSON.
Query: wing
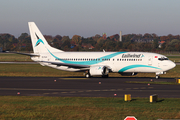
{"x":77,"y":66}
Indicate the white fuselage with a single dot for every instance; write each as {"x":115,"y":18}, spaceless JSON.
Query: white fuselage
{"x":96,"y":63}
{"x":116,"y":61}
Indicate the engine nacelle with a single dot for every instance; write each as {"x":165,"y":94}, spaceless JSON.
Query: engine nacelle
{"x":128,"y":74}
{"x":98,"y":70}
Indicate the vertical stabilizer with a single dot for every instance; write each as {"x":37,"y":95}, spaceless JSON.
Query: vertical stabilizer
{"x":39,"y":43}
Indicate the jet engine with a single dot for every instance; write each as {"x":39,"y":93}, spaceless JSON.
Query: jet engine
{"x":99,"y":70}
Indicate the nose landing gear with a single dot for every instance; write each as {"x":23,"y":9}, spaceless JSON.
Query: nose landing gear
{"x":159,"y":73}
{"x":157,"y":76}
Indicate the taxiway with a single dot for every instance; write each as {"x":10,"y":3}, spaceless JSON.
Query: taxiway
{"x":86,"y":87}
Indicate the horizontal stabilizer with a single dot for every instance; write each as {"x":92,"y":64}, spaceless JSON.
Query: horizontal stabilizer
{"x":27,"y":54}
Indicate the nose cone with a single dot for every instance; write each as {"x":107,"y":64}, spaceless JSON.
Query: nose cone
{"x":168,"y":65}
{"x":172,"y":65}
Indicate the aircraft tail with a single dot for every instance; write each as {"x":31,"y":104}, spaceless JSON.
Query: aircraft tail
{"x":39,"y":43}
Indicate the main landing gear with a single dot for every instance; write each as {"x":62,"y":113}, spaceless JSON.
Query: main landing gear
{"x":87,"y":75}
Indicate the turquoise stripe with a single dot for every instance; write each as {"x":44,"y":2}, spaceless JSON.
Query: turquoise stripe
{"x":39,"y":41}
{"x":91,"y":62}
{"x":88,"y":62}
{"x":135,"y":66}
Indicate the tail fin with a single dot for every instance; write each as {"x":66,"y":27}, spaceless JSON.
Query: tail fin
{"x":39,"y":43}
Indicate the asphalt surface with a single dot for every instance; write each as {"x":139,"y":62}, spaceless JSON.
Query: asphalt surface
{"x":86,"y":87}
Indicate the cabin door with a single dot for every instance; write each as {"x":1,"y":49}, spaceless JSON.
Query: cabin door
{"x":150,"y":58}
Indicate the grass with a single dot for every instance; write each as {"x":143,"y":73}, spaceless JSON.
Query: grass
{"x":33,"y":70}
{"x":36,"y":70}
{"x":174,"y":58}
{"x":40,"y":71}
{"x":78,"y":108}
{"x":10,"y":57}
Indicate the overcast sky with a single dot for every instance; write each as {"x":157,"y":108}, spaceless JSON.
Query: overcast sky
{"x":89,"y":17}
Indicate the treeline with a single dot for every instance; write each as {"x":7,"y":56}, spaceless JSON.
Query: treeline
{"x":130,"y":42}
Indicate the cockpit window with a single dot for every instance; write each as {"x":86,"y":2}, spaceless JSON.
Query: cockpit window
{"x":163,"y":58}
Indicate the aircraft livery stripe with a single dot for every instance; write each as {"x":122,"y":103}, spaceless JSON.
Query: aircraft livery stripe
{"x":135,"y":66}
{"x":39,"y":41}
{"x":91,"y":62}
{"x":88,"y":62}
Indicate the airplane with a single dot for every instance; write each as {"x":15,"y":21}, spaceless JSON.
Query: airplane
{"x":96,"y":63}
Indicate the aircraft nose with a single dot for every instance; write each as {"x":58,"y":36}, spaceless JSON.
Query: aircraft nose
{"x":172,"y":64}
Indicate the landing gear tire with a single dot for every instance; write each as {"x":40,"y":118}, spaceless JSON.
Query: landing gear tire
{"x":87,"y":75}
{"x":157,"y":77}
{"x":105,"y":76}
